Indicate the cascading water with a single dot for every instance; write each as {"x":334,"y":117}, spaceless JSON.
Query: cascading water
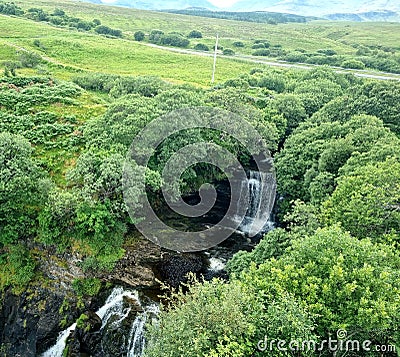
{"x":261,"y":188}
{"x":113,"y":313}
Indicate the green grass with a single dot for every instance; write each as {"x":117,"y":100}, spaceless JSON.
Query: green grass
{"x":90,"y":52}
{"x":70,"y":51}
{"x":310,"y":36}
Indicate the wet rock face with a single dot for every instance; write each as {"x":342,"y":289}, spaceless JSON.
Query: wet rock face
{"x":85,"y":339}
{"x":30,"y":322}
{"x":136,"y":267}
{"x":174,"y":268}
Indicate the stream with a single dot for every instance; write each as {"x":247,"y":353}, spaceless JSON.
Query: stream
{"x":125,"y":328}
{"x":114,"y":314}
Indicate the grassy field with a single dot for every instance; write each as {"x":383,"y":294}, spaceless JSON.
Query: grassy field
{"x":90,"y":52}
{"x":311,"y":36}
{"x":68,"y":51}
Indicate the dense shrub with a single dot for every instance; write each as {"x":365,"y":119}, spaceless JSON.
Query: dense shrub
{"x":353,"y":64}
{"x":261,"y":52}
{"x":216,"y":319}
{"x":9,"y":8}
{"x":228,"y":52}
{"x":175,"y":40}
{"x":195,"y":34}
{"x":238,"y":44}
{"x":155,"y":36}
{"x":201,"y":47}
{"x":139,"y":35}
{"x":105,"y":30}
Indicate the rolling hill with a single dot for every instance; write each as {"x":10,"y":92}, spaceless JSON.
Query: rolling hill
{"x":316,"y":7}
{"x":157,"y":4}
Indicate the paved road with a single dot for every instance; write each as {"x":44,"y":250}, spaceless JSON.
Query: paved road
{"x":383,"y":76}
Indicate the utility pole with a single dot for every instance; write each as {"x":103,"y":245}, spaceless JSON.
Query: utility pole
{"x":215,"y":60}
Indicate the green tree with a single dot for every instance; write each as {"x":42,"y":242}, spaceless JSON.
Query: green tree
{"x":139,"y":35}
{"x":201,"y":47}
{"x":217,"y":319}
{"x":345,"y":283}
{"x":22,"y":189}
{"x":195,"y":34}
{"x":367,"y":202}
{"x":29,"y":59}
{"x":228,"y":52}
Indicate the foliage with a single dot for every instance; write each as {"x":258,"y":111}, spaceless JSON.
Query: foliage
{"x":87,"y":286}
{"x":29,"y":59}
{"x":105,"y":30}
{"x":139,"y":35}
{"x":17,"y":267}
{"x":347,"y":283}
{"x":195,"y":34}
{"x":354,"y":64}
{"x":9,"y":8}
{"x":271,"y":18}
{"x":272,"y":245}
{"x":380,"y":99}
{"x":215,"y":319}
{"x":262,"y":52}
{"x":314,"y":154}
{"x":366,"y":202}
{"x":201,"y":47}
{"x":21,"y":189}
{"x":228,"y":52}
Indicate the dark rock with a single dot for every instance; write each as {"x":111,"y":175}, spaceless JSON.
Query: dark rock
{"x":174,"y":268}
{"x":30,"y":322}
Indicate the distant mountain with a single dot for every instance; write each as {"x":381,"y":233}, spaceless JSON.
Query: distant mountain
{"x":157,"y":4}
{"x":343,"y":10}
{"x":317,"y":7}
{"x":384,"y":15}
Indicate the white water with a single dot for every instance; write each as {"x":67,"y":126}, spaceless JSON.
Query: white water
{"x":216,"y":264}
{"x":58,"y":348}
{"x":136,"y":341}
{"x":114,"y":306}
{"x":261,"y":189}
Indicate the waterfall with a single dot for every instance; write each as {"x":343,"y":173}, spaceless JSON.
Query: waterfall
{"x":114,"y":308}
{"x":261,"y":188}
{"x":58,"y":348}
{"x":216,"y":264}
{"x":136,"y":340}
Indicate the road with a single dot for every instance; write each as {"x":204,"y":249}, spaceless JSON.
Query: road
{"x":383,"y":76}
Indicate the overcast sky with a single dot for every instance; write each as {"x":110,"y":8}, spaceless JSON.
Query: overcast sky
{"x":223,"y":3}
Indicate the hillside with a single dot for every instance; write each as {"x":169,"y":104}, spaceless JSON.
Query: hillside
{"x":149,"y":211}
{"x":316,"y":7}
{"x":156,"y":5}
{"x":352,"y":45}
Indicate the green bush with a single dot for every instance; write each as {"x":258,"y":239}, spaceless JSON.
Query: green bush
{"x":139,"y":35}
{"x":201,"y":47}
{"x":155,"y":36}
{"x":174,"y":40}
{"x":261,"y":52}
{"x":195,"y":34}
{"x":228,"y":52}
{"x":29,"y":59}
{"x":87,"y":286}
{"x":345,"y":283}
{"x":217,"y":319}
{"x":353,"y":64}
{"x":238,"y":44}
{"x":17,"y":268}
{"x":105,"y":30}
